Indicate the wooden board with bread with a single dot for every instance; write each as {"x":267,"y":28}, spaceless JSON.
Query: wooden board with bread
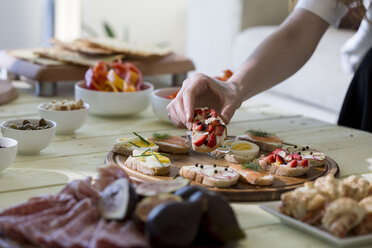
{"x":259,"y":169}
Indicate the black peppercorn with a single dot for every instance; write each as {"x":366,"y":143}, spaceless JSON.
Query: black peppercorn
{"x":307,"y":147}
{"x":201,"y":166}
{"x":303,"y":148}
{"x":215,"y":171}
{"x":226,"y":169}
{"x":295,"y":146}
{"x":196,"y":165}
{"x":214,"y":165}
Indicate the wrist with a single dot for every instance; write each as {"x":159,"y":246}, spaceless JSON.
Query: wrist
{"x":238,"y":89}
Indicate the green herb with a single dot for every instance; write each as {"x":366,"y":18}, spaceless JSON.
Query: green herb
{"x":162,"y":136}
{"x":177,"y":175}
{"x":145,"y":151}
{"x":258,"y":133}
{"x":252,"y":165}
{"x":134,"y":144}
{"x":212,"y":156}
{"x":141,"y":138}
{"x":157,"y":158}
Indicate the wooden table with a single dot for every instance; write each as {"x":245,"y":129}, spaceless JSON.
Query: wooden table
{"x":79,"y":155}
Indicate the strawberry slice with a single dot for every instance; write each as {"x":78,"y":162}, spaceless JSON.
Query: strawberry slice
{"x":269,"y":159}
{"x":212,"y":140}
{"x":276,"y":151}
{"x":214,"y":113}
{"x":216,"y":123}
{"x":198,"y":112}
{"x":200,"y":140}
{"x":210,"y":128}
{"x":206,"y":112}
{"x":198,"y":126}
{"x":296,"y":156}
{"x":292,"y":164}
{"x":279,"y":160}
{"x":219,"y":130}
{"x":303,"y":163}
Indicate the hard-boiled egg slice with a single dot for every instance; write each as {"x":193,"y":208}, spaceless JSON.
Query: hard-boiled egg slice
{"x":244,"y":148}
{"x":136,"y":143}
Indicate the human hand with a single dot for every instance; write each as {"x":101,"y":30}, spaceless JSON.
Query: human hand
{"x":203,"y":91}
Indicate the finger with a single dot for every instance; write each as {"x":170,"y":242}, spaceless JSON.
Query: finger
{"x":196,"y":86}
{"x":227,"y":113}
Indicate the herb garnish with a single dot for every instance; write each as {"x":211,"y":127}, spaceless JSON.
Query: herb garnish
{"x":162,"y":136}
{"x":252,"y":165}
{"x":141,"y":138}
{"x":134,"y":144}
{"x":157,"y":158}
{"x":258,"y":133}
{"x":212,"y":156}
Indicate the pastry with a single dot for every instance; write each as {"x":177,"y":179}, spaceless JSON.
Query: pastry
{"x":149,"y":162}
{"x":354,"y":187}
{"x":305,"y":204}
{"x":282,"y":164}
{"x":266,"y":141}
{"x":126,"y":146}
{"x":342,"y":215}
{"x":210,"y":175}
{"x":171,"y":144}
{"x":241,"y":152}
{"x":365,"y":226}
{"x":208,"y":130}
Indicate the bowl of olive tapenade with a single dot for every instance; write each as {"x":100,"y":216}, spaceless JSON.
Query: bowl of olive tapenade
{"x":33,"y":135}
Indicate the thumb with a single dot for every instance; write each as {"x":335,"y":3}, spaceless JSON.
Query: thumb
{"x":227,"y":113}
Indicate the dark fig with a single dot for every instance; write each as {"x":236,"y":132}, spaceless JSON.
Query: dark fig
{"x":117,"y":200}
{"x":218,"y":221}
{"x":147,"y":204}
{"x":154,"y":188}
{"x":174,"y":224}
{"x":186,"y":192}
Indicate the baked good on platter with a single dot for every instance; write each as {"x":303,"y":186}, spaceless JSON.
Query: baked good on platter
{"x":365,"y":226}
{"x":241,"y":152}
{"x":282,"y":164}
{"x":210,"y":175}
{"x":169,"y":143}
{"x":304,"y":203}
{"x":149,"y":162}
{"x":266,"y":141}
{"x":126,"y":146}
{"x":208,"y":130}
{"x":342,"y":215}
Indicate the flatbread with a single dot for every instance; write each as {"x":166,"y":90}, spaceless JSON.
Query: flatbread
{"x":29,"y":55}
{"x":128,"y":48}
{"x":82,"y":46}
{"x":64,"y":55}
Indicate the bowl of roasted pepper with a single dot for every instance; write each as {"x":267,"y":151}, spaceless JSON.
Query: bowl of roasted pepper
{"x":114,"y":89}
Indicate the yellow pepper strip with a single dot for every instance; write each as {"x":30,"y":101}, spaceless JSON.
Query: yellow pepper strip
{"x":112,"y":85}
{"x":133,"y":77}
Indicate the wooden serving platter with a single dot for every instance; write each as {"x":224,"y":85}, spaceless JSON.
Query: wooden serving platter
{"x":240,"y":191}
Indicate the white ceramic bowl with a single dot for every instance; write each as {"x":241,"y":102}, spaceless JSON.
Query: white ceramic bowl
{"x":7,"y":152}
{"x":29,"y":141}
{"x":67,"y":121}
{"x":114,"y":103}
{"x":159,"y":102}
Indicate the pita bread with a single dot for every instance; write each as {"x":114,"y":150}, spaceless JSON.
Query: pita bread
{"x":130,"y":49}
{"x":64,"y":55}
{"x":29,"y":55}
{"x":82,"y":46}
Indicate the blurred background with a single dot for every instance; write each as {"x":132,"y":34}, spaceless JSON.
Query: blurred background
{"x":215,"y":34}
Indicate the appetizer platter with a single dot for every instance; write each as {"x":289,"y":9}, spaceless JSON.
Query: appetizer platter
{"x":254,"y":166}
{"x":338,"y":211}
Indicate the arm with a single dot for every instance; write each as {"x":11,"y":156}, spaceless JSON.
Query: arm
{"x":278,"y":57}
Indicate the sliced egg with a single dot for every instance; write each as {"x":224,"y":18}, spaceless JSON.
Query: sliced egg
{"x":136,"y":143}
{"x":150,"y":159}
{"x":244,"y":148}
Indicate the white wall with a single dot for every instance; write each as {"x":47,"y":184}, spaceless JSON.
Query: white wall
{"x":141,"y":20}
{"x":21,"y":23}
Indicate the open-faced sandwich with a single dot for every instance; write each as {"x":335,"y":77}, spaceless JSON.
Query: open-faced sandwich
{"x":241,"y":152}
{"x":149,"y":162}
{"x":266,"y":141}
{"x":208,"y":130}
{"x":313,"y":155}
{"x":126,"y":146}
{"x":281,"y":163}
{"x":252,"y":173}
{"x":210,"y":175}
{"x":169,"y":143}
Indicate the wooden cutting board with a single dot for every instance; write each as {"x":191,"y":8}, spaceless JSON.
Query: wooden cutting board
{"x":7,"y":92}
{"x":240,"y":191}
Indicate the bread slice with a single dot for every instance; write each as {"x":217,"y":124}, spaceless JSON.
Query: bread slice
{"x":149,"y":165}
{"x":172,"y":144}
{"x":266,"y":141}
{"x":126,"y":146}
{"x":283,"y":170}
{"x":210,"y":175}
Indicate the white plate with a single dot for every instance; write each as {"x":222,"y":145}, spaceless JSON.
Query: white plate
{"x":273,"y":208}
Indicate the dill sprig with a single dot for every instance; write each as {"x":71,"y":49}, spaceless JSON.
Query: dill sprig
{"x":258,"y":133}
{"x":252,"y":165}
{"x":162,"y":136}
{"x":141,"y":138}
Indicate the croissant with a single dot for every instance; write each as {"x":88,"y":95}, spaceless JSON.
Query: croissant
{"x":328,"y":186}
{"x":303,"y":203}
{"x":366,"y":225}
{"x":354,"y":187}
{"x":342,"y":215}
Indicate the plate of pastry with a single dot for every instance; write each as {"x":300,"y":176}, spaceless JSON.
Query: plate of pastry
{"x":254,"y":166}
{"x":338,"y":211}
